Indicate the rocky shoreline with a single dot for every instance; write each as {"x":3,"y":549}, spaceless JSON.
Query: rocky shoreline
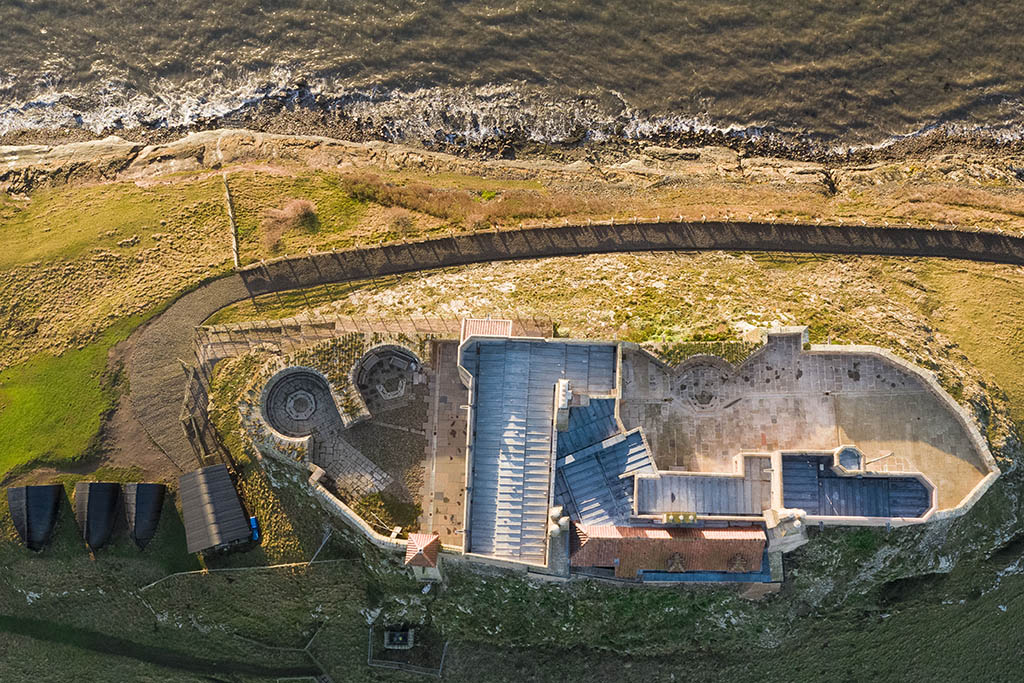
{"x":26,"y":167}
{"x":293,"y":113}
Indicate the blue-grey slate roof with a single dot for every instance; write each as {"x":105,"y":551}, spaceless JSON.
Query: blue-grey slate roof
{"x":513,"y":435}
{"x":588,"y":425}
{"x":809,"y":483}
{"x":708,"y":494}
{"x":595,"y":485}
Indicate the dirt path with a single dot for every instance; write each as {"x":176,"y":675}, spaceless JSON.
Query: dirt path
{"x":157,"y":381}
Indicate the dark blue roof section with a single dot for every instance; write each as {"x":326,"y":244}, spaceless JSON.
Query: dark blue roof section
{"x":908,"y":497}
{"x":809,"y":483}
{"x":588,"y":425}
{"x":593,"y":484}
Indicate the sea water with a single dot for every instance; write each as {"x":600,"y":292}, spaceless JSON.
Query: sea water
{"x":840,"y":73}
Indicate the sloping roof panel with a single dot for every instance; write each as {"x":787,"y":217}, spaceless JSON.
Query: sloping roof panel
{"x":587,"y":425}
{"x":485,"y":327}
{"x":632,"y":549}
{"x":96,"y":510}
{"x":595,"y":485}
{"x":513,"y":435}
{"x":708,"y":494}
{"x":422,"y":550}
{"x":34,"y":511}
{"x":143,"y":504}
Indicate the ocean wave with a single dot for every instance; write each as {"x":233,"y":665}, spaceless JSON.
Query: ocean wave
{"x":115,"y":105}
{"x":436,"y":115}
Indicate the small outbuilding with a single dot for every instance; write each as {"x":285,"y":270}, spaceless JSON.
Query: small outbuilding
{"x":34,"y":511}
{"x":96,"y":511}
{"x":211,"y":509}
{"x":421,"y":554}
{"x":143,"y":504}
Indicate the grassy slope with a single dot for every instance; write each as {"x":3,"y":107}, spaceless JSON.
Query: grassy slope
{"x":51,"y":406}
{"x":982,"y":309}
{"x":254,"y":193}
{"x":66,"y":222}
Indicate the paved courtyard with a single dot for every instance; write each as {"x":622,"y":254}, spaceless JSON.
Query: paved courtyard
{"x":785,"y":399}
{"x":444,"y":481}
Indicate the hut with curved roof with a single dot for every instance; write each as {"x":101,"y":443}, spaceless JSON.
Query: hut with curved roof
{"x":34,"y":511}
{"x":143,"y":504}
{"x":96,"y":511}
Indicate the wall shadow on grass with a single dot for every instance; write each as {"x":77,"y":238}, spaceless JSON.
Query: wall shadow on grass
{"x":41,"y":629}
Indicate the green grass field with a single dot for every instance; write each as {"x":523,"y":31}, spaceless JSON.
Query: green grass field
{"x":66,"y":222}
{"x":51,"y":407}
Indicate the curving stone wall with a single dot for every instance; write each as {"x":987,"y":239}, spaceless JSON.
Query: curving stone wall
{"x":571,"y":240}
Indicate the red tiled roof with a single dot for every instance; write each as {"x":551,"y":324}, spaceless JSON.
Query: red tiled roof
{"x":486,"y":327}
{"x":630,"y":549}
{"x":422,"y":550}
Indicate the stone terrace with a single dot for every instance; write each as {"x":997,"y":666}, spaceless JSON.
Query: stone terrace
{"x":698,"y":416}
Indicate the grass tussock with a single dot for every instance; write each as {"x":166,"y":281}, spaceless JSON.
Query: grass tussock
{"x":296,"y":214}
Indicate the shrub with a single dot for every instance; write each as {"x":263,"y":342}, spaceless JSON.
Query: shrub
{"x":297,"y":214}
{"x":402,"y":223}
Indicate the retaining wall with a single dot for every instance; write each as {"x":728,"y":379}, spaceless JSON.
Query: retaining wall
{"x":568,"y":240}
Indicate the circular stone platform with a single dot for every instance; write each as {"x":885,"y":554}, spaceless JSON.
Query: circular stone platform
{"x":298,"y":402}
{"x":385,"y":376}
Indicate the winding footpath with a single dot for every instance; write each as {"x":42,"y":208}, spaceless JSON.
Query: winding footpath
{"x":158,"y":382}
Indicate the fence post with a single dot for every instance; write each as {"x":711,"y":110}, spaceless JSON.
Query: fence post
{"x":231,"y":219}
